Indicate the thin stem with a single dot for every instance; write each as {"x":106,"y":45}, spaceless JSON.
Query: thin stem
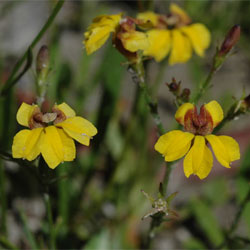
{"x":3,"y":200}
{"x":239,"y":213}
{"x":52,"y":238}
{"x":11,"y":80}
{"x":45,"y":175}
{"x":235,"y":223}
{"x":159,"y":77}
{"x":153,"y":106}
{"x":204,"y":86}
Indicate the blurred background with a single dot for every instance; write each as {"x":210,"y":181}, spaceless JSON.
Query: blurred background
{"x":96,"y":200}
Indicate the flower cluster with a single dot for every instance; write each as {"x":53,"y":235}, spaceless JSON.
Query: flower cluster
{"x":153,"y":34}
{"x":50,"y":134}
{"x":198,"y":160}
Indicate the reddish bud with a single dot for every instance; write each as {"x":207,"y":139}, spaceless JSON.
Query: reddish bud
{"x":230,"y":41}
{"x":174,"y":87}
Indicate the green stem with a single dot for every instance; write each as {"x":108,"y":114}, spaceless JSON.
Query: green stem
{"x":3,"y":200}
{"x":11,"y":80}
{"x":235,"y":223}
{"x":204,"y":86}
{"x":159,"y":77}
{"x":239,"y":213}
{"x":153,"y":105}
{"x":52,"y":237}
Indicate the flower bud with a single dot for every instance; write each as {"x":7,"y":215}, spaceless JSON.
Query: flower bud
{"x":42,"y":61}
{"x":174,"y":87}
{"x":230,"y":41}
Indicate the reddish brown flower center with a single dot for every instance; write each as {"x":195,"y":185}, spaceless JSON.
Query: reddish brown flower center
{"x":40,"y":120}
{"x":198,"y":124}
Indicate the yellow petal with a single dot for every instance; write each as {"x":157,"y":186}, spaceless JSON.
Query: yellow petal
{"x":181,"y":112}
{"x":69,"y":149}
{"x":102,"y":20}
{"x":66,"y":109}
{"x":181,"y":48}
{"x":159,"y":44}
{"x":52,"y":147}
{"x":26,"y":144}
{"x":99,"y":31}
{"x":134,"y":41}
{"x":215,"y":111}
{"x":174,"y":144}
{"x":96,"y":38}
{"x":225,"y":148}
{"x":199,"y":160}
{"x":199,"y":36}
{"x":24,"y":113}
{"x":79,"y":129}
{"x":148,"y":16}
{"x":175,"y":9}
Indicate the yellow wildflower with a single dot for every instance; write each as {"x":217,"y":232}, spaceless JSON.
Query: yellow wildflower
{"x":50,"y":134}
{"x":176,"y":35}
{"x":126,"y":38}
{"x":199,"y":159}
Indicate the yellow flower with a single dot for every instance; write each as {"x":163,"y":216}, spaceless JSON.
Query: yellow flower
{"x":99,"y":31}
{"x":193,"y":143}
{"x":175,"y":35}
{"x":126,"y":38}
{"x":50,"y":134}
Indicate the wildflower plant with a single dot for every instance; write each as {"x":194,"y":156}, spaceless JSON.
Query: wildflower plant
{"x":85,"y":184}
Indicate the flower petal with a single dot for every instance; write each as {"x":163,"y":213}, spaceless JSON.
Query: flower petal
{"x":181,"y":48}
{"x":26,"y":144}
{"x":159,"y":44}
{"x":51,"y":147}
{"x":215,"y":111}
{"x":69,"y":149}
{"x":174,"y":144}
{"x":175,"y":9}
{"x":79,"y":129}
{"x":199,"y":160}
{"x":134,"y":41}
{"x":148,"y":16}
{"x":181,"y":112}
{"x":66,"y":109}
{"x":99,"y":31}
{"x":24,"y":113}
{"x":225,"y":148}
{"x":95,"y":38}
{"x":199,"y":36}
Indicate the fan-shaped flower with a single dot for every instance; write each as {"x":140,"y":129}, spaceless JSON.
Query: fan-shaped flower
{"x":176,"y":35}
{"x":193,"y":143}
{"x":50,"y":134}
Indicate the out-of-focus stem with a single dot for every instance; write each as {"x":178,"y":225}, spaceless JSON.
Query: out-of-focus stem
{"x":11,"y":80}
{"x":159,"y":77}
{"x":235,"y":223}
{"x":52,"y":238}
{"x":204,"y":86}
{"x":153,"y":106}
{"x":3,"y":200}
